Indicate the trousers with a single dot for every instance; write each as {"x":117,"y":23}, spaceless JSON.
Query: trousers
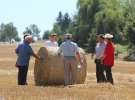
{"x":100,"y":71}
{"x":70,"y":70}
{"x":22,"y":75}
{"x":108,"y":71}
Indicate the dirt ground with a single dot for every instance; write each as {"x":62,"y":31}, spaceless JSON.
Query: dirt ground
{"x":123,"y":73}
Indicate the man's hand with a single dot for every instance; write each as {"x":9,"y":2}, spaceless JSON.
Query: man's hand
{"x":42,"y":58}
{"x":16,"y":65}
{"x":81,"y":61}
{"x":59,"y":54}
{"x":37,"y":58}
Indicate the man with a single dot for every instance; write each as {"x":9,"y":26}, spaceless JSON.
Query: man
{"x":99,"y":50}
{"x":108,"y":59}
{"x":52,"y":42}
{"x":24,"y":51}
{"x":70,"y":51}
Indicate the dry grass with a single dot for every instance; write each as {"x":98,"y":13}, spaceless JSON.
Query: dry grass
{"x":123,"y":73}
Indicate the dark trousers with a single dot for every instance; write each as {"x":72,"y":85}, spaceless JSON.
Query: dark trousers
{"x":100,"y":71}
{"x":22,"y":75}
{"x":108,"y":71}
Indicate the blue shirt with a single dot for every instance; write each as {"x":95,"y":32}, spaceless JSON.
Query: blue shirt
{"x":68,"y":48}
{"x":24,"y":51}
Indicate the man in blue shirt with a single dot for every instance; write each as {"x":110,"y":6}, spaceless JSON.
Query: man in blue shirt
{"x":24,"y":51}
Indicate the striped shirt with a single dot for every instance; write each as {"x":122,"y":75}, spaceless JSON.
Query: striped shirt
{"x":68,"y":48}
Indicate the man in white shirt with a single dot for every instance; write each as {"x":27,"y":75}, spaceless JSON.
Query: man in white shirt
{"x":52,"y":42}
{"x":70,"y":51}
{"x":99,"y":50}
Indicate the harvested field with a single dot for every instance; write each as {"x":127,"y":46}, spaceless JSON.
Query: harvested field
{"x":123,"y":73}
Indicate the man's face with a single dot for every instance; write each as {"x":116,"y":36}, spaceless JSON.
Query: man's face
{"x":53,"y":38}
{"x":107,"y":40}
{"x":30,"y":40}
{"x":100,"y":39}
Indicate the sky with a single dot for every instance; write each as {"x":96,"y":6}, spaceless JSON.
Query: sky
{"x":40,"y":12}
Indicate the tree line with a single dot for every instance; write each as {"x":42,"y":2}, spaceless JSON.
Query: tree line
{"x":99,"y":17}
{"x":9,"y":31}
{"x":93,"y":17}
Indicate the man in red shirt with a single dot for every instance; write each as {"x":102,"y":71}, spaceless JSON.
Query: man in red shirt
{"x":108,"y":60}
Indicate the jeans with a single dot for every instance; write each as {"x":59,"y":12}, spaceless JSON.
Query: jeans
{"x":108,"y":71}
{"x":100,"y":71}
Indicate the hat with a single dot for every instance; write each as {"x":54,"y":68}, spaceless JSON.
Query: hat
{"x":108,"y":36}
{"x":28,"y":37}
{"x":100,"y":35}
{"x":53,"y":34}
{"x":68,"y":35}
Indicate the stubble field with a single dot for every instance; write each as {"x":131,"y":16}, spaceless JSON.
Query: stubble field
{"x":123,"y":73}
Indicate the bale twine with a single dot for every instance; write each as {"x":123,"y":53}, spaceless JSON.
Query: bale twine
{"x":50,"y":70}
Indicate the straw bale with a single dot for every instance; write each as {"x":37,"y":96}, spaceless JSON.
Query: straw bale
{"x":50,"y":70}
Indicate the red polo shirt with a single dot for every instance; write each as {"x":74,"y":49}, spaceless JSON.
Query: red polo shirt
{"x":109,"y":55}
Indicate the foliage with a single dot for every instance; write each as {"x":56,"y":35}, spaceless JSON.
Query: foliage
{"x":103,"y":16}
{"x":8,"y":32}
{"x":99,"y":17}
{"x":130,"y":22}
{"x":46,"y":35}
{"x":32,"y":30}
{"x":62,"y":23}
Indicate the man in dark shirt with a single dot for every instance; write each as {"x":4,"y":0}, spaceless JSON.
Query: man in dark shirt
{"x":24,"y":51}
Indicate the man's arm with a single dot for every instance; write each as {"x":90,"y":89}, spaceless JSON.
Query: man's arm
{"x":17,"y":49}
{"x":36,"y":56}
{"x":33,"y":54}
{"x":79,"y":58}
{"x":59,"y":50}
{"x":78,"y":54}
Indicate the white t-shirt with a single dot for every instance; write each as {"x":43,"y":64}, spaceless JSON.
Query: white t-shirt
{"x":100,"y":47}
{"x":49,"y":43}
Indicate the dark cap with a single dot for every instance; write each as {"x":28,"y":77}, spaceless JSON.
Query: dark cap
{"x":100,"y":36}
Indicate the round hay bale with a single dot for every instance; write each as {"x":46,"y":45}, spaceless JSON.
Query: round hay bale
{"x":50,"y":70}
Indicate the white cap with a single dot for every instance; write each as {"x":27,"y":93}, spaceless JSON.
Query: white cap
{"x":68,"y":35}
{"x":108,"y":36}
{"x":28,"y":37}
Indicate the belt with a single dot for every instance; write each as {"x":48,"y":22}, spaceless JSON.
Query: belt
{"x":98,"y":59}
{"x":69,"y":57}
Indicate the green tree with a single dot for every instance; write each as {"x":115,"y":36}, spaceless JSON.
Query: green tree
{"x":85,"y":23}
{"x":32,"y":30}
{"x":129,"y":15}
{"x":57,"y":29}
{"x":66,"y":22}
{"x":8,"y":32}
{"x":97,"y":16}
{"x":62,"y":23}
{"x":46,"y":35}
